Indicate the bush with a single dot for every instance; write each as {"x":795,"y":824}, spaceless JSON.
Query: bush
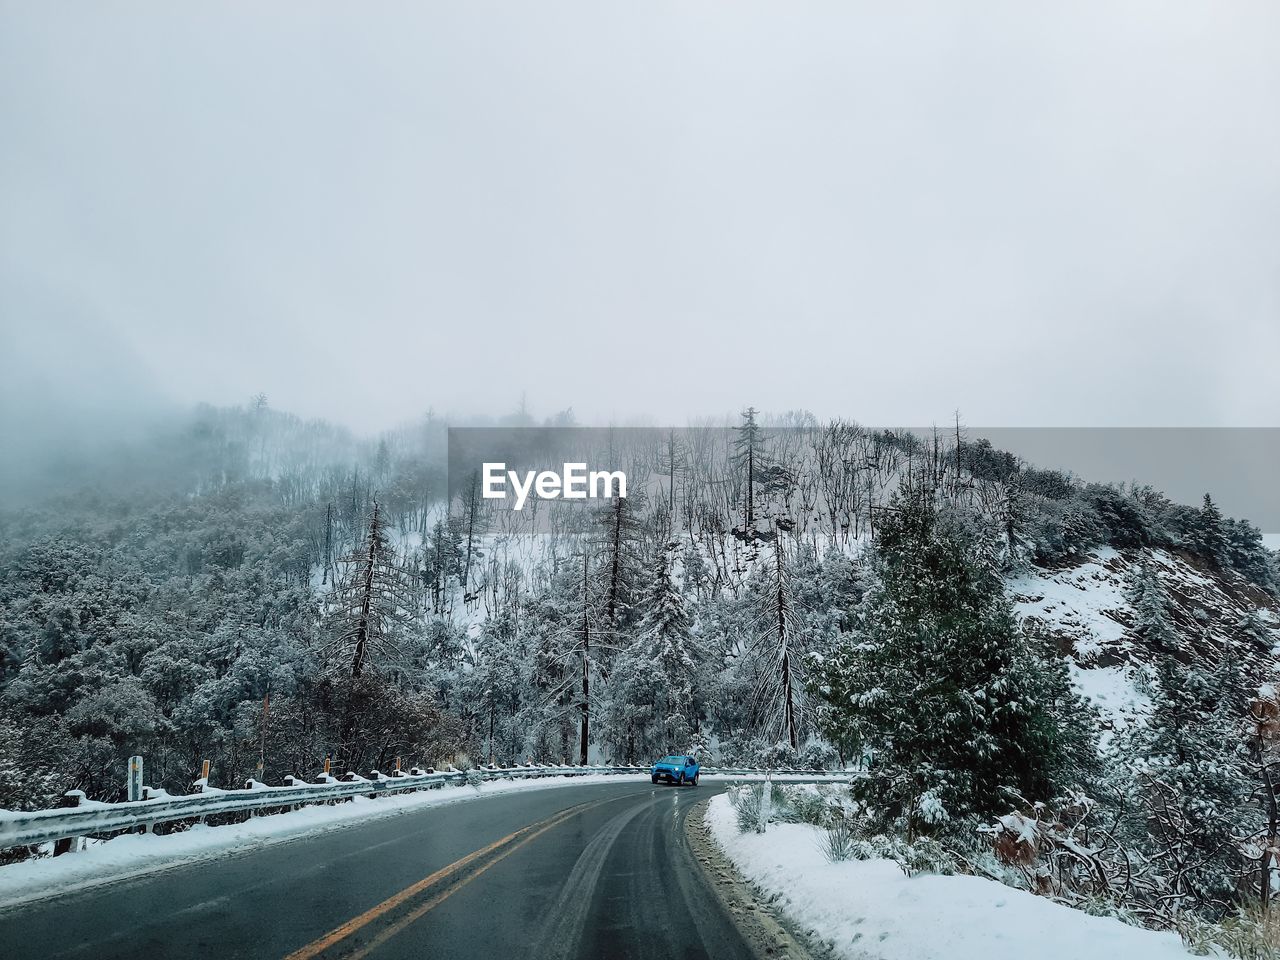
{"x":817,"y":755}
{"x":748,"y":804}
{"x":924,"y":855}
{"x":838,"y":843}
{"x":1251,"y":934}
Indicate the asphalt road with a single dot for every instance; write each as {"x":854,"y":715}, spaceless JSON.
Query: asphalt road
{"x":595,"y":872}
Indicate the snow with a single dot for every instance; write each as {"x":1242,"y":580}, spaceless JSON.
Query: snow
{"x":1114,"y":691}
{"x":1081,"y":601}
{"x":133,"y":854}
{"x":871,"y":909}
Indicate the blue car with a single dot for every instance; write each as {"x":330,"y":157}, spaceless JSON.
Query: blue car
{"x":677,"y":770}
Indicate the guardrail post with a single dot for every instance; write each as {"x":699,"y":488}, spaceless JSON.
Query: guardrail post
{"x":146,"y":795}
{"x":71,"y":798}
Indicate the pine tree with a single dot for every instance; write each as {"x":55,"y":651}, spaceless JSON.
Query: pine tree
{"x":1252,"y":634}
{"x":665,"y":661}
{"x":960,"y":712}
{"x":442,"y":559}
{"x":497,"y":683}
{"x":1151,"y":610}
{"x":1191,"y":785}
{"x":617,"y":541}
{"x":1209,"y":536}
{"x":748,"y":457}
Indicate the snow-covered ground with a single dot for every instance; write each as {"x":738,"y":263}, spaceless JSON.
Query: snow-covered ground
{"x":1087,"y":601}
{"x":132,"y":854}
{"x":1086,"y":608}
{"x":870,"y":909}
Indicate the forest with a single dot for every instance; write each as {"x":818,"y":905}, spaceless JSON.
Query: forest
{"x":268,"y":593}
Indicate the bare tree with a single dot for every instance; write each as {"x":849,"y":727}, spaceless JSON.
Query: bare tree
{"x":371,"y":598}
{"x":776,"y":710}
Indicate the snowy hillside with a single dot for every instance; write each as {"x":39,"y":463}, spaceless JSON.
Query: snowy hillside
{"x":1086,"y":607}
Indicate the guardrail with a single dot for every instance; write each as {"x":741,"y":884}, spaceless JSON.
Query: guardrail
{"x":82,"y":817}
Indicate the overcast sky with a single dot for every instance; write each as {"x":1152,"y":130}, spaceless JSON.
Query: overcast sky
{"x":1037,"y":213}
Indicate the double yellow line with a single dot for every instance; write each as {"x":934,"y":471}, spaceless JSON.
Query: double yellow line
{"x":496,"y":852}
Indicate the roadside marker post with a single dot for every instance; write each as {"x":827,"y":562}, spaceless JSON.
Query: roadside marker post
{"x":134,"y":783}
{"x":766,"y":802}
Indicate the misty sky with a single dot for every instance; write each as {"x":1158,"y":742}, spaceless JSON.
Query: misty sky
{"x":1037,"y":213}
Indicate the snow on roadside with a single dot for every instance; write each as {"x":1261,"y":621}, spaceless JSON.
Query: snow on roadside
{"x":133,"y":854}
{"x":870,"y":909}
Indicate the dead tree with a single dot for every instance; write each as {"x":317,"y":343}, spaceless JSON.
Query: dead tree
{"x":371,"y":598}
{"x":777,"y":705}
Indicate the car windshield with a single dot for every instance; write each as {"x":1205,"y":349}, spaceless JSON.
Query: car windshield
{"x":677,"y":760}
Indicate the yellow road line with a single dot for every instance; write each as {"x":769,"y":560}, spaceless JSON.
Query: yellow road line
{"x":523,"y":835}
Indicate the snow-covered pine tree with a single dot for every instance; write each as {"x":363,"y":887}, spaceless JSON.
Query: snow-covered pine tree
{"x":1191,"y":787}
{"x":497,"y":687}
{"x":617,"y":541}
{"x":441,"y":560}
{"x":1150,"y":604}
{"x":960,"y":713}
{"x":1252,"y":634}
{"x":653,"y":702}
{"x":747,"y":457}
{"x":470,"y":527}
{"x":1208,"y":537}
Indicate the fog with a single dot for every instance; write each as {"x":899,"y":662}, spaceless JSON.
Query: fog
{"x":1039,"y":214}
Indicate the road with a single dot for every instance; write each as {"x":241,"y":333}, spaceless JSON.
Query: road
{"x":596,"y":871}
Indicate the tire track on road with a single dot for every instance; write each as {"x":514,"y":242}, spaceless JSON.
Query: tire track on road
{"x":562,"y":932}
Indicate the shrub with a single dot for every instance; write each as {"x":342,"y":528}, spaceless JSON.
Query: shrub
{"x":747,"y":803}
{"x":838,"y":843}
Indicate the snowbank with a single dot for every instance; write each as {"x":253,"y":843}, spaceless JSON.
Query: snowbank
{"x":870,"y":909}
{"x":133,"y":854}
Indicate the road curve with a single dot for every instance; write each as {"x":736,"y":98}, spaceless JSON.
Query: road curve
{"x":596,"y":871}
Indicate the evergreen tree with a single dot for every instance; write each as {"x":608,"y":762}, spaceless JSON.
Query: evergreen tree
{"x":1151,"y":610}
{"x":748,"y":457}
{"x":1208,"y":534}
{"x":960,"y":713}
{"x":497,"y":687}
{"x":1191,"y":786}
{"x":441,"y":561}
{"x":653,"y":707}
{"x":617,"y":540}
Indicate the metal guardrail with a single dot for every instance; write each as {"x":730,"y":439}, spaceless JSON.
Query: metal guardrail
{"x":82,"y":817}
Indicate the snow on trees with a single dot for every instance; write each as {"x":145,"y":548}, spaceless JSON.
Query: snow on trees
{"x":939,"y":685}
{"x":653,"y":703}
{"x":777,"y":651}
{"x":372,"y":597}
